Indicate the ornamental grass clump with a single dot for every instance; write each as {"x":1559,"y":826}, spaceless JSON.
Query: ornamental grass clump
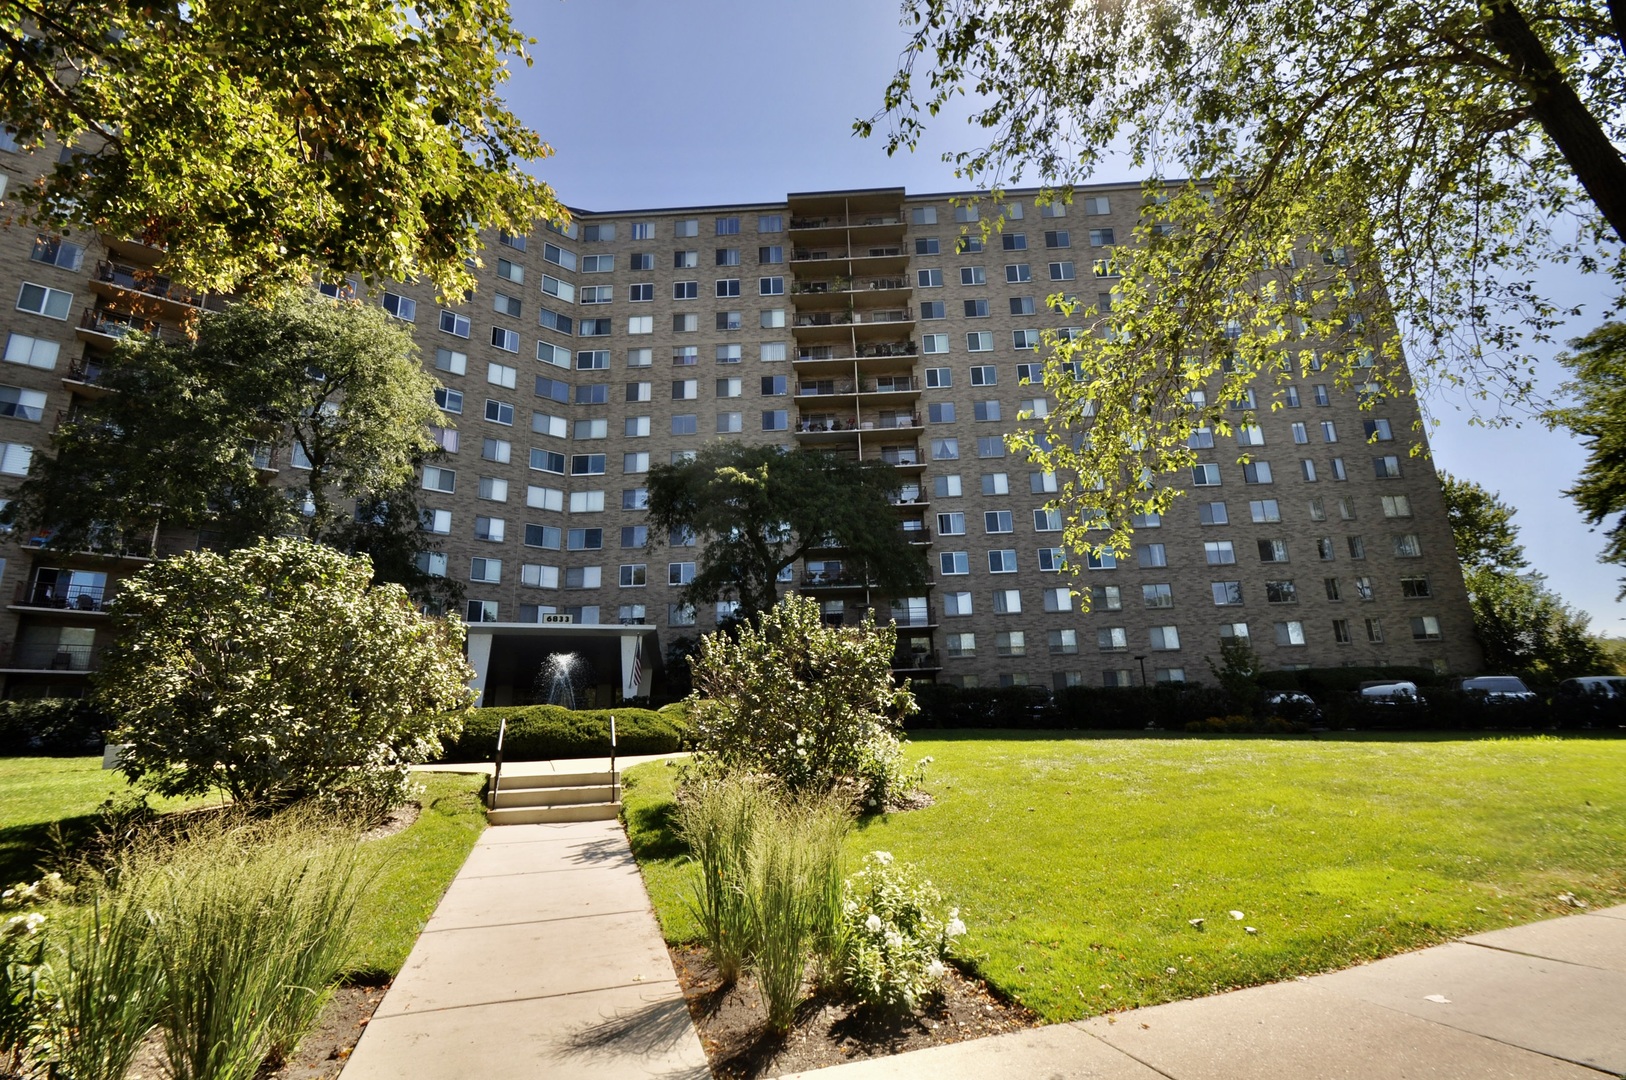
{"x":718,"y":818}
{"x":794,"y":857}
{"x":895,"y":942}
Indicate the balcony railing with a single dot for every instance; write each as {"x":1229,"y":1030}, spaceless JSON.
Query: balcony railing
{"x":139,"y":279}
{"x":913,"y":616}
{"x":817,"y":424}
{"x":888,"y":348}
{"x":118,"y":324}
{"x":916,"y":661}
{"x":61,"y":597}
{"x":85,"y":371}
{"x":55,"y":657}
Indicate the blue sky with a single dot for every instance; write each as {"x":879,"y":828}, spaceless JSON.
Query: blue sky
{"x":651,"y":103}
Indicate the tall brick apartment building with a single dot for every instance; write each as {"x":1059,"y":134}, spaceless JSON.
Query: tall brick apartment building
{"x":858,"y":322}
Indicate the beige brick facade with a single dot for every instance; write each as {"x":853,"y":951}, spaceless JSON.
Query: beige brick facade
{"x":583,"y":359}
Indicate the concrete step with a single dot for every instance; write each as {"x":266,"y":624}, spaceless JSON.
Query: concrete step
{"x":552,"y":796}
{"x":532,"y":815}
{"x":520,"y":779}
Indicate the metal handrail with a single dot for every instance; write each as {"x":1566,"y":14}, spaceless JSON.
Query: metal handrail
{"x":496,"y":773}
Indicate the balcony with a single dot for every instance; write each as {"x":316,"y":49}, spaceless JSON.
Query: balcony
{"x":917,"y":615}
{"x":890,"y":384}
{"x":57,"y":658}
{"x":916,"y":661}
{"x":105,"y":542}
{"x":121,"y":281}
{"x":79,"y":599}
{"x":825,"y":424}
{"x":103,"y":329}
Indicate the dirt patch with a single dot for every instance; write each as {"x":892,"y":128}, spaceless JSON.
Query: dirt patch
{"x":732,"y":1023}
{"x":400,"y":819}
{"x":321,"y":1054}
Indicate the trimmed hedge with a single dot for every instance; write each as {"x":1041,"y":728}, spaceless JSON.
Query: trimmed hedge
{"x":544,"y":732}
{"x":63,"y":727}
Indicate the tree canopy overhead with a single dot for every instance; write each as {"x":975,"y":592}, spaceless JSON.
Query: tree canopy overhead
{"x":259,"y":139}
{"x":1596,"y":414}
{"x":1363,"y":168}
{"x":758,"y":509}
{"x":327,"y":394}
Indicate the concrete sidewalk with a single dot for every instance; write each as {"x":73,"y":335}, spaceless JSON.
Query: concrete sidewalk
{"x":1540,"y":1002}
{"x":543,"y":960}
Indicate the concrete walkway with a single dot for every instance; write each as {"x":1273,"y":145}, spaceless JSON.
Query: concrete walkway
{"x":1540,"y":1002}
{"x":543,"y":960}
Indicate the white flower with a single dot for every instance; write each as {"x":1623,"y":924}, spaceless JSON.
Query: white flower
{"x":873,"y":923}
{"x":883,"y":857}
{"x":954,"y":928}
{"x":894,"y":940}
{"x":935,"y":969}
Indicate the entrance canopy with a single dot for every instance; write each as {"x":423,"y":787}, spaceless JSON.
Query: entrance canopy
{"x":618,"y":661}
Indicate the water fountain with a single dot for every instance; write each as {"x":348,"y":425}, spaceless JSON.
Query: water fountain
{"x":558,"y":674}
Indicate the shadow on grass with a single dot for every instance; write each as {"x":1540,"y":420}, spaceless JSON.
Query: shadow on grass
{"x":652,"y":830}
{"x":29,"y":851}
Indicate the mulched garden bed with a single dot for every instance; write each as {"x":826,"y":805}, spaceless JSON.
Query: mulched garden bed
{"x":732,"y":1023}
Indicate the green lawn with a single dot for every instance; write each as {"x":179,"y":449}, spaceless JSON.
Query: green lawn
{"x":416,"y":864}
{"x":1078,"y":862}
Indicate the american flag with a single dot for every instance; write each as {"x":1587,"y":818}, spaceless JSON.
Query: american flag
{"x":637,"y":681}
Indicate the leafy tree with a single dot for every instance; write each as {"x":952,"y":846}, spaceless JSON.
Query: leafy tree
{"x":1482,"y":527}
{"x":758,"y":509}
{"x":814,"y":707}
{"x":1522,"y":625}
{"x":187,"y":425}
{"x":281,"y":139}
{"x":1372,"y":169}
{"x":278,"y":672}
{"x":1237,"y":671}
{"x":1598,"y":418}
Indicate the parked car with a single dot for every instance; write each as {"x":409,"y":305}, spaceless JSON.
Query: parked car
{"x":1496,"y":688}
{"x":1391,"y":692}
{"x":1291,"y":705}
{"x":1598,"y":687}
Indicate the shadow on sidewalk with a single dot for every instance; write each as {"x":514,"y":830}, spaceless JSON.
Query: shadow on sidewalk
{"x":646,"y":1032}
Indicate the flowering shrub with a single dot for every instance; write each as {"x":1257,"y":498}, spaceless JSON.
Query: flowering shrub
{"x":814,"y":707}
{"x":21,"y":956}
{"x":895,"y":941}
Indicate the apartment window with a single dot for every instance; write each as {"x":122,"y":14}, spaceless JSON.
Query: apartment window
{"x":31,"y":351}
{"x":939,"y":378}
{"x":450,"y":401}
{"x":940,"y":412}
{"x":437,"y":479}
{"x":1002,"y":561}
{"x":1321,"y":394}
{"x":1057,"y":238}
{"x":973,"y":275}
{"x":539,"y":497}
{"x":728,"y":287}
{"x":1264,"y":510}
{"x":586,"y":464}
{"x":1213,"y":513}
{"x":980,"y":341}
{"x":1425,"y":628}
{"x":490,"y":529}
{"x":55,"y":251}
{"x":1112,"y":639}
{"x":1272,"y":551}
{"x":775,"y":385}
{"x":1407,"y":546}
{"x":1018,"y":273}
{"x":591,"y":328}
{"x":956,"y":604}
{"x":498,"y":450}
{"x":1338,"y":472}
{"x":933,"y":309}
{"x":1378,"y":431}
{"x":996,"y":484}
{"x":1157,"y":596}
{"x":929,"y":279}
{"x":1386,"y":467}
{"x":635,"y":462}
{"x":552,"y":389}
{"x":1063,"y":271}
{"x":1396,"y":506}
{"x":1357,"y":547}
{"x":1007,"y":601}
{"x":547,"y":461}
{"x":1151,"y":555}
{"x":591,"y":429}
{"x":771,"y":286}
{"x":990,"y":446}
{"x":685,"y":424}
{"x":730,"y":320}
{"x":1046,"y":520}
{"x":951,"y":524}
{"x":1164,"y":638}
{"x":1219,"y":552}
{"x":1011,"y":643}
{"x":1281,"y":592}
{"x":39,"y":300}
{"x":775,"y":419}
{"x":1052,"y":560}
{"x":1256,"y":472}
{"x":584,"y":539}
{"x":771,"y":351}
{"x":488,"y":571}
{"x":1374,"y":630}
{"x":945,"y":449}
{"x":954,"y":563}
{"x":927,"y":245}
{"x":685,"y":389}
{"x":552,"y":320}
{"x":729,"y":388}
{"x":1226,"y":593}
{"x":1290,"y":633}
{"x":1205,"y":476}
{"x":998,"y":521}
{"x":1024,"y":339}
{"x":1030,"y":374}
{"x":1324,"y":549}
